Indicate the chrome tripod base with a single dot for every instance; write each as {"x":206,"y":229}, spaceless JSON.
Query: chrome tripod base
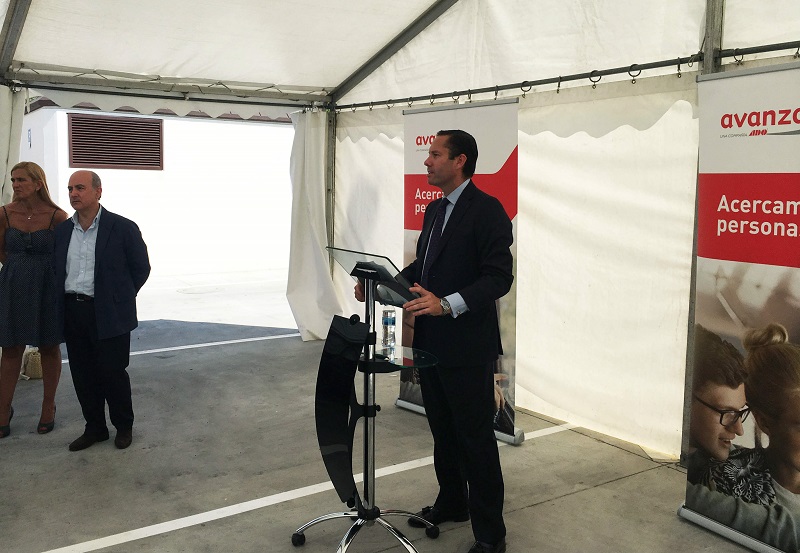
{"x":432,"y":531}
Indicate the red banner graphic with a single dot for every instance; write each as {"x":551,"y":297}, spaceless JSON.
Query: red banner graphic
{"x":749,"y":217}
{"x":418,"y":193}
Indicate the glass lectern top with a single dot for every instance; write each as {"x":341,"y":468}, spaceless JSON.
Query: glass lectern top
{"x":391,"y":287}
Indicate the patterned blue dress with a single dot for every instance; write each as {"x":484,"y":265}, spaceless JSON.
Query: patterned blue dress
{"x":28,"y":289}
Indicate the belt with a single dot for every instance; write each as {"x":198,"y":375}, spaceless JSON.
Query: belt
{"x":78,"y":297}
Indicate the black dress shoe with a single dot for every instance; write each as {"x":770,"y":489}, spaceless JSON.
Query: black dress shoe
{"x":436,"y":516}
{"x":87,"y":440}
{"x":124,"y":438}
{"x":480,"y":547}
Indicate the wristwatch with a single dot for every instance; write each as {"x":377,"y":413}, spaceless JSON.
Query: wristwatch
{"x":445,"y":306}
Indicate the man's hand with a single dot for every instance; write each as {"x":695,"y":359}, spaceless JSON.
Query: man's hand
{"x":358,"y":292}
{"x":425,"y":304}
{"x":499,"y":396}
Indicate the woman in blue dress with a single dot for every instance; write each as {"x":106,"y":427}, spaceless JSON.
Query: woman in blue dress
{"x":28,"y":290}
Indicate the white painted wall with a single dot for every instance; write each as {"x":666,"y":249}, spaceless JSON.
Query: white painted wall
{"x":222,"y":204}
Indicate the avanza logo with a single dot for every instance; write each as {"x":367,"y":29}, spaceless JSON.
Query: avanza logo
{"x":425,"y":140}
{"x":764,"y":118}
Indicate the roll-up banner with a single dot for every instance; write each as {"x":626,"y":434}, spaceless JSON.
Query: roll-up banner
{"x":743,"y":460}
{"x":494,"y":126}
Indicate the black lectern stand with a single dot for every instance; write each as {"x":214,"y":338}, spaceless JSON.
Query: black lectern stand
{"x":382,"y":283}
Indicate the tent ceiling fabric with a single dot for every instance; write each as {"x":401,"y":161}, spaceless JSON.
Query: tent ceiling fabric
{"x":302,"y":50}
{"x":749,"y":23}
{"x":514,"y":43}
{"x":297,"y":46}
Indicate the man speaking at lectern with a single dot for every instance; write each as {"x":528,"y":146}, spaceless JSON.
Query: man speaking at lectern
{"x":463,"y":264}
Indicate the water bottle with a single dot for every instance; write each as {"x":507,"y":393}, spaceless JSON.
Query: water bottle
{"x":388,"y":328}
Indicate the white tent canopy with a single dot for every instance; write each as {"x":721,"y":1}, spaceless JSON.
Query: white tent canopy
{"x":607,"y":173}
{"x":281,"y":47}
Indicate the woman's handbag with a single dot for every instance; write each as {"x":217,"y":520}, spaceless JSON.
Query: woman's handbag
{"x":32,"y":363}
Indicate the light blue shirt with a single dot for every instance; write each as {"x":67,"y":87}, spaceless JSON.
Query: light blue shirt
{"x":457,"y":303}
{"x":80,"y":257}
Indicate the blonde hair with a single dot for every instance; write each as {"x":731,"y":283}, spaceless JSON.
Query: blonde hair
{"x":36,"y":174}
{"x":773,"y":369}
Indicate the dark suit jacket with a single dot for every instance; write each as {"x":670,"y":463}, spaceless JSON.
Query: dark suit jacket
{"x":475,"y":260}
{"x":121,"y":267}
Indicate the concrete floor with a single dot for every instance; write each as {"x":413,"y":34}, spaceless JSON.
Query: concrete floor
{"x":225,"y":458}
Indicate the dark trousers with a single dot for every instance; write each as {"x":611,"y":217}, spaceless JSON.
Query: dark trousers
{"x":98,"y":369}
{"x":459,"y":403}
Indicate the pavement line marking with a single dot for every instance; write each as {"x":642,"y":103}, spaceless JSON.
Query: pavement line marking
{"x":185,"y":522}
{"x":209,"y":344}
{"x":239,"y":508}
{"x":425,"y":461}
{"x":551,"y":430}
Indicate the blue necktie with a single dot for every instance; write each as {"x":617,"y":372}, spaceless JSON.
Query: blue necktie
{"x":433,"y":241}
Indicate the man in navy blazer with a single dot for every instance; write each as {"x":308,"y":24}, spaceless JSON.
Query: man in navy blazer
{"x":101,"y":262}
{"x":463,"y":265}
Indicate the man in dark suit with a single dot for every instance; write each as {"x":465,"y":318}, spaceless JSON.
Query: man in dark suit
{"x":463,"y":265}
{"x":101,"y":262}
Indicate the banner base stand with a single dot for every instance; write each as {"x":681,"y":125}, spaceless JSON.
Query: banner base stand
{"x":725,"y":531}
{"x":410,"y":406}
{"x":516,"y":439}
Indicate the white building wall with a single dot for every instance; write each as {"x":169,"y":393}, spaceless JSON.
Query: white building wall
{"x":222,"y":204}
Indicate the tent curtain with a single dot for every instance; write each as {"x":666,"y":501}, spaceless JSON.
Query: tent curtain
{"x":12,"y":109}
{"x":369,"y":204}
{"x":310,"y":291}
{"x":605,"y":250}
{"x":606,"y":221}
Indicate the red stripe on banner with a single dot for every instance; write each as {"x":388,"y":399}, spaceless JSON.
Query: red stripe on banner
{"x":749,"y":217}
{"x":502,"y":185}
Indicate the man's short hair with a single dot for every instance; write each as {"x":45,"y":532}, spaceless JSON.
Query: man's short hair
{"x":461,"y":142}
{"x":716,"y":361}
{"x":95,"y":180}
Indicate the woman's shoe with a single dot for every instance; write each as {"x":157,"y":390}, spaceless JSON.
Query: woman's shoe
{"x":45,"y":427}
{"x":6,"y":430}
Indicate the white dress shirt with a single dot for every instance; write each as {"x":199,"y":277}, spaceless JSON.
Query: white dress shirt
{"x":80,"y":257}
